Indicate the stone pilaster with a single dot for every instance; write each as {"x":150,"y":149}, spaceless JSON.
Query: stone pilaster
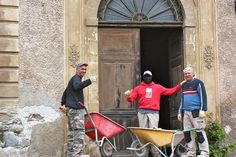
{"x":9,"y":63}
{"x":208,"y":53}
{"x":91,"y":46}
{"x":75,"y":35}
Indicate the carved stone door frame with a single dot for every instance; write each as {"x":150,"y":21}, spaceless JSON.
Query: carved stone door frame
{"x":199,"y":44}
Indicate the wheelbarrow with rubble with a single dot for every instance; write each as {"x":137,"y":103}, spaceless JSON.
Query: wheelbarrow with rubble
{"x":161,"y":139}
{"x":103,"y":130}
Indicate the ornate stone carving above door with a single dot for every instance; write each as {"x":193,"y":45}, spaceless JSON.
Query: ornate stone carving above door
{"x":208,"y":57}
{"x":74,"y":55}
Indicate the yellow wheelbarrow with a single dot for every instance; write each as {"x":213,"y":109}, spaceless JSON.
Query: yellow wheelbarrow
{"x":159,"y":138}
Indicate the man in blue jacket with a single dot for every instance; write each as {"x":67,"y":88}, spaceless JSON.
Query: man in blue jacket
{"x":192,"y":112}
{"x":73,"y":102}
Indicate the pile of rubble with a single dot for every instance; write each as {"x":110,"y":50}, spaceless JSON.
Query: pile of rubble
{"x":16,"y":136}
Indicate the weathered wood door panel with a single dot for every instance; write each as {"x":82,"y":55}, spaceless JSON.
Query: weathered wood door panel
{"x":176,"y":75}
{"x":119,"y":70}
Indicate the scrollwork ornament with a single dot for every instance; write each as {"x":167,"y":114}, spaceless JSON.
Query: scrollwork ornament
{"x":208,"y":57}
{"x":74,"y":55}
{"x":177,"y":9}
{"x":140,"y":17}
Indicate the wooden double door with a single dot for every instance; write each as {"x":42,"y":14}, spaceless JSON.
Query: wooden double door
{"x":120,"y":68}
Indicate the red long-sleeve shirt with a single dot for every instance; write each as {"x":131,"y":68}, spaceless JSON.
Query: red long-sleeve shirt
{"x":149,"y":95}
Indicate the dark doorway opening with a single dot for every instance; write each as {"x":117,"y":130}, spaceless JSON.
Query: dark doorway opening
{"x":156,"y":48}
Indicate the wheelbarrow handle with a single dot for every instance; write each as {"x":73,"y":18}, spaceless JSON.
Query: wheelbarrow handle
{"x":91,"y":119}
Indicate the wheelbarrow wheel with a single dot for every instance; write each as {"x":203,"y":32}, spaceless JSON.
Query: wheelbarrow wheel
{"x":180,"y":149}
{"x":106,"y":149}
{"x":139,"y":153}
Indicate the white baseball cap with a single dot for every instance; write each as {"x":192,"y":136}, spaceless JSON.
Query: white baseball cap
{"x":147,"y":73}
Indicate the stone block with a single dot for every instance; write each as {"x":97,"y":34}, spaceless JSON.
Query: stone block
{"x":9,"y":60}
{"x":10,"y":29}
{"x":91,"y":21}
{"x":9,"y":91}
{"x":11,"y":140}
{"x":9,"y":2}
{"x":9,"y":76}
{"x":13,"y":152}
{"x":47,"y":139}
{"x":190,"y":9}
{"x":7,"y":109}
{"x":9,"y":14}
{"x":92,"y":149}
{"x":10,"y":45}
{"x":7,"y":106}
{"x":5,"y":117}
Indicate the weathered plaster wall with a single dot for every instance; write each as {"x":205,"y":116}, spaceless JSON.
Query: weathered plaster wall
{"x":226,"y":29}
{"x":41,"y":67}
{"x":41,"y":42}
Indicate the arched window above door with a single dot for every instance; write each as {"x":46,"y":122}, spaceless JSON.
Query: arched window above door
{"x":157,"y":11}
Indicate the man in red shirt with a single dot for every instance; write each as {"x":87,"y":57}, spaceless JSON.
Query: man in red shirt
{"x":148,"y":94}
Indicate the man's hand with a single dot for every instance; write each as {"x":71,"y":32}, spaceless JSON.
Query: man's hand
{"x":63,"y":109}
{"x":127,"y":93}
{"x":202,"y":114}
{"x":183,"y":82}
{"x":93,"y":79}
{"x":180,"y":117}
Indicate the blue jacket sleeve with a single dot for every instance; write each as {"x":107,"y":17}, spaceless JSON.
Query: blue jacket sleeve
{"x":181,"y":111}
{"x":63,"y":99}
{"x":79,"y":85}
{"x":202,"y":94}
